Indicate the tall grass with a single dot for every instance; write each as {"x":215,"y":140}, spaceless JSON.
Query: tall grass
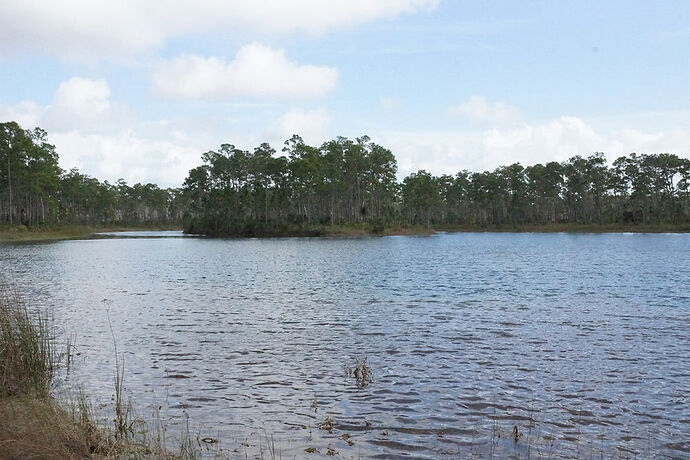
{"x":27,"y":357}
{"x":33,"y":424}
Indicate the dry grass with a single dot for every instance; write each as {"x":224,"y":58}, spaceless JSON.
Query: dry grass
{"x":42,"y":428}
{"x":38,"y":428}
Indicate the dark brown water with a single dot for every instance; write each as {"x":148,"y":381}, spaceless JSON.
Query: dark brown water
{"x":582,"y":342}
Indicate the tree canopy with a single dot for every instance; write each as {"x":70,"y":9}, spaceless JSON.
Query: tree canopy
{"x":343,"y":181}
{"x":35,"y":191}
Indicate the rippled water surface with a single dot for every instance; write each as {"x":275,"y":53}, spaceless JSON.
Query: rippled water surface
{"x":582,"y":342}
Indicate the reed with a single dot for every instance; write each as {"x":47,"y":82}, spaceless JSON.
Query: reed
{"x":27,"y":357}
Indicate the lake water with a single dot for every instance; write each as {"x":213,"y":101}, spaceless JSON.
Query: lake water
{"x":581,"y":341}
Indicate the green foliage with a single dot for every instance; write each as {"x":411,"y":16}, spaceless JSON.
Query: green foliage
{"x":247,"y":193}
{"x":342,"y":182}
{"x":347,"y":182}
{"x":34,"y":191}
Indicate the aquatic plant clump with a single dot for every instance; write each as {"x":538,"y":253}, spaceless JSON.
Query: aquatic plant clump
{"x":361,"y":372}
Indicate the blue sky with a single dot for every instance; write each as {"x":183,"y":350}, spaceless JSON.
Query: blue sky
{"x":135,"y":90}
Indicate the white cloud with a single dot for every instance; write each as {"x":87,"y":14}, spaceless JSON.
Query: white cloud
{"x":26,"y":113}
{"x":82,"y":96}
{"x":447,"y":152}
{"x":74,"y":28}
{"x":163,"y":159}
{"x":556,"y":139}
{"x":256,"y":71}
{"x":94,"y":133}
{"x":78,"y":103}
{"x":312,"y":125}
{"x":83,"y":27}
{"x":477,"y":110}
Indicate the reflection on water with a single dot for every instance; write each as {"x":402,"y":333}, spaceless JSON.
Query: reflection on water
{"x":579,"y":341}
{"x":142,"y":234}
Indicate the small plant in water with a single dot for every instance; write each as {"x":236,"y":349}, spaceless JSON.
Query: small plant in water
{"x":346,"y":437}
{"x":361,"y":372}
{"x":516,"y":434}
{"x":327,"y":425}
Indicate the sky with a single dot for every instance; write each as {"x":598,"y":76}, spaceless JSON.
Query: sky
{"x":139,"y":89}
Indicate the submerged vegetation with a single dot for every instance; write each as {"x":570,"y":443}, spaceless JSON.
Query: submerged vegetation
{"x":344,"y":187}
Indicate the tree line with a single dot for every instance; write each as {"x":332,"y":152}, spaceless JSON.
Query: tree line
{"x":305,"y":189}
{"x":246,"y":192}
{"x":35,"y":191}
{"x":238,"y":191}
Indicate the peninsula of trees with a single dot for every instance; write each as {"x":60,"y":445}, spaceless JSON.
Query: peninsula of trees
{"x":309,"y":190}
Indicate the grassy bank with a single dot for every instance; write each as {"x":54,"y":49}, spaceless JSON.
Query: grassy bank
{"x":35,"y":424}
{"x":23,"y":233}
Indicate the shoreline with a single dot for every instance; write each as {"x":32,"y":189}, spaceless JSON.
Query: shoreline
{"x":362,"y":230}
{"x":76,"y":232}
{"x":571,"y":228}
{"x":16,"y":234}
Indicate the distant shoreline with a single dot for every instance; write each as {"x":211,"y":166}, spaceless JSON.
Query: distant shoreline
{"x":361,"y":230}
{"x":574,"y":228}
{"x":21,"y":233}
{"x":83,"y":232}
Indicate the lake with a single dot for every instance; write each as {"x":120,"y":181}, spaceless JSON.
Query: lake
{"x":580,"y":342}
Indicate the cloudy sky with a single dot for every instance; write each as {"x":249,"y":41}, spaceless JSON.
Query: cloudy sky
{"x":138,"y":89}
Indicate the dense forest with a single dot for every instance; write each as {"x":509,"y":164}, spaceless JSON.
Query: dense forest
{"x":344,"y":181}
{"x":35,"y":192}
{"x":306,"y":189}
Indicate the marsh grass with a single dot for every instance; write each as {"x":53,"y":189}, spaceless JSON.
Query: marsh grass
{"x":27,"y":358}
{"x":124,"y":423}
{"x":34,"y":424}
{"x":37,"y":427}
